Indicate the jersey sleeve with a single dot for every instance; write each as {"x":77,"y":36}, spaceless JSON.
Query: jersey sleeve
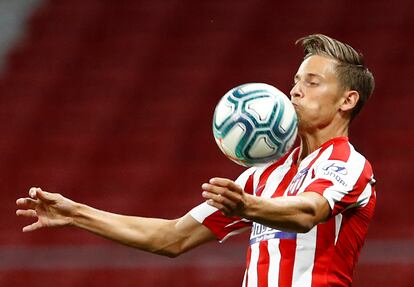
{"x":344,"y":184}
{"x":222,"y":226}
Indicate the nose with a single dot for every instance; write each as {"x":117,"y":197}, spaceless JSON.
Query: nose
{"x":296,"y":91}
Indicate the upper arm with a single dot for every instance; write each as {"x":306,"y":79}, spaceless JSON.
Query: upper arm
{"x":318,"y":206}
{"x":343,"y":184}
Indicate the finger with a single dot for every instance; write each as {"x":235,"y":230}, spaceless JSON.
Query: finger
{"x":225,"y":182}
{"x":213,"y":188}
{"x":230,"y":205}
{"x":33,"y":192}
{"x":220,"y":207}
{"x":224,"y":191}
{"x":27,"y":203}
{"x":27,"y":213}
{"x":32,"y":227}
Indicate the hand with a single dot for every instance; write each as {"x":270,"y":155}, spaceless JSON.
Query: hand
{"x":225,"y":195}
{"x":50,"y":209}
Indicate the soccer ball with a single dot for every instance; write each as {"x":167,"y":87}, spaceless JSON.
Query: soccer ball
{"x":254,"y":124}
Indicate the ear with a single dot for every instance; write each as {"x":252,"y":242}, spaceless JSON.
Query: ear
{"x":350,"y":100}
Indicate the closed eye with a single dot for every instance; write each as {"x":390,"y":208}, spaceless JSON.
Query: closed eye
{"x":312,"y":83}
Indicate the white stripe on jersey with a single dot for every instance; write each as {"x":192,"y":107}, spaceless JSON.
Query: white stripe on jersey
{"x":304,"y":257}
{"x":338,"y":223}
{"x":202,"y":211}
{"x":275,"y":178}
{"x":252,"y":272}
{"x":323,"y":157}
{"x":235,"y":232}
{"x":274,"y":260}
{"x":336,"y":192}
{"x":256,"y":178}
{"x":242,"y":179}
{"x":244,"y":279}
{"x":364,"y":197}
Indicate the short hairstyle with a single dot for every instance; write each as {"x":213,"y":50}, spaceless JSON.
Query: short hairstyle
{"x":351,"y":71}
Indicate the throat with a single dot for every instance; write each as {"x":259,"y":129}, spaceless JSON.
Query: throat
{"x":311,"y":142}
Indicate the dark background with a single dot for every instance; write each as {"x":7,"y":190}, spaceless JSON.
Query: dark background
{"x":110,"y":103}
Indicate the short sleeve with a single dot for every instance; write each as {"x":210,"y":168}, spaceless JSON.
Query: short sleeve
{"x":222,"y":226}
{"x":343,"y":184}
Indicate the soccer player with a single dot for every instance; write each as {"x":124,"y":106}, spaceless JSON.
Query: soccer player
{"x":308,"y":213}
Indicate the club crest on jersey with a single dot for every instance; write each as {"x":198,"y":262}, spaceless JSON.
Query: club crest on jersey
{"x":297,"y":182}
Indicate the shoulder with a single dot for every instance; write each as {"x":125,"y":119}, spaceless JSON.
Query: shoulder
{"x":342,"y":162}
{"x":343,"y":151}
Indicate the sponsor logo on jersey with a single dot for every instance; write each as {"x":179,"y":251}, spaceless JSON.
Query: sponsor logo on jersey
{"x":261,"y":233}
{"x":335,"y":167}
{"x":335,"y":170}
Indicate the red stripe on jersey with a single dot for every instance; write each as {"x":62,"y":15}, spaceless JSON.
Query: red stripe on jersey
{"x":248,"y":257}
{"x":287,"y":179}
{"x":265,"y":175}
{"x":287,"y":249}
{"x":325,"y":246}
{"x":280,"y":190}
{"x":248,"y":188}
{"x":263,"y":264}
{"x":221,"y":225}
{"x":341,"y":150}
{"x":351,"y":197}
{"x":323,"y":148}
{"x":354,"y":228}
{"x":319,"y":185}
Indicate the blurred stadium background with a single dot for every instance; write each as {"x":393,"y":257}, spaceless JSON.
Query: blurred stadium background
{"x":110,"y":103}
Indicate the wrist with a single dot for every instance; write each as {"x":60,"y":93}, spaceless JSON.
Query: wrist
{"x":79,"y":213}
{"x":250,"y":206}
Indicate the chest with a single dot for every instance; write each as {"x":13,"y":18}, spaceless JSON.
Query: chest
{"x":283,"y":181}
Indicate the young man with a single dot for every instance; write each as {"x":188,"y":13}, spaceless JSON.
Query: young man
{"x":308,"y":212}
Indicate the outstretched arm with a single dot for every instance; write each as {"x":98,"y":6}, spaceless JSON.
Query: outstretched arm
{"x":160,"y":236}
{"x":290,"y":213}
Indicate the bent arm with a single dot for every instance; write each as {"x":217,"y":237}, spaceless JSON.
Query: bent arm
{"x":289,"y":213}
{"x":160,"y":236}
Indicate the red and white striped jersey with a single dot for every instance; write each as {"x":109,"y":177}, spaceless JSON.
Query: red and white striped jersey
{"x":327,"y":254}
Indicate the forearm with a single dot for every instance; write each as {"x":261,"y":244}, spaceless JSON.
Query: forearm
{"x":292,"y":213}
{"x":161,"y":236}
{"x":148,"y":234}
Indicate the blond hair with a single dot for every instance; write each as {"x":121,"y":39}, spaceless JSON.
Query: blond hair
{"x":351,"y":71}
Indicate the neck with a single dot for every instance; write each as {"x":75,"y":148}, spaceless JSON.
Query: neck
{"x":312,"y":140}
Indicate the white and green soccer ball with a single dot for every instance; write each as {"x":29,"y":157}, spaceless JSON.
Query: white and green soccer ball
{"x":254,"y":124}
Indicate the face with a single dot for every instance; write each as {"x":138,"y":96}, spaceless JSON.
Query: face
{"x":316,"y":94}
